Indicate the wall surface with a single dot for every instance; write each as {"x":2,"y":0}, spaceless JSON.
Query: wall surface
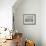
{"x":29,"y":31}
{"x":43,"y":22}
{"x":6,"y":13}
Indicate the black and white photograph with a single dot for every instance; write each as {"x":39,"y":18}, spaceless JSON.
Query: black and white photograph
{"x":29,"y":19}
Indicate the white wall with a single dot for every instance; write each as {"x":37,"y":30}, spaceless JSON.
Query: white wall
{"x":6,"y":13}
{"x":43,"y":22}
{"x":30,"y":31}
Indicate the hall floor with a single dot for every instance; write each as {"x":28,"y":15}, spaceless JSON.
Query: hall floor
{"x":9,"y":43}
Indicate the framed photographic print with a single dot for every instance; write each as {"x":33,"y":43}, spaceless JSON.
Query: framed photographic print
{"x":29,"y":19}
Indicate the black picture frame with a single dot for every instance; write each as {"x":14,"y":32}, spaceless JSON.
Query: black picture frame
{"x":29,"y":19}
